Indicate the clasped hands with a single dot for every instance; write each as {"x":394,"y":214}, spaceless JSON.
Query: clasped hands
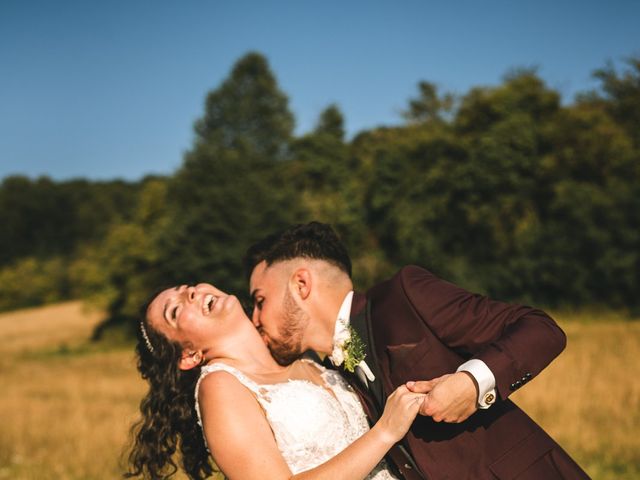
{"x":451,"y":398}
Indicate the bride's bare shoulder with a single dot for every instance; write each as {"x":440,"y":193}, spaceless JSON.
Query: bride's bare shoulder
{"x":222,"y":385}
{"x":227,"y":404}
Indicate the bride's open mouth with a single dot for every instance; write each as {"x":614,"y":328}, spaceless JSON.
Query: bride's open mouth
{"x":208,"y":303}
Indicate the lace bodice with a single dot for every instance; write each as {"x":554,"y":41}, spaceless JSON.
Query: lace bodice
{"x":310,"y":423}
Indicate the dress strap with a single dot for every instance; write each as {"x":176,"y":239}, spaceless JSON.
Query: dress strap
{"x":222,"y":367}
{"x":219,"y":366}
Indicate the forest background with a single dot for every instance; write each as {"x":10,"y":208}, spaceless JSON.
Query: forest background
{"x":503,"y":190}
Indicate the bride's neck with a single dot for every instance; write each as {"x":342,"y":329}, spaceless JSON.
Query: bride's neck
{"x":250,"y":355}
{"x":256,"y":363}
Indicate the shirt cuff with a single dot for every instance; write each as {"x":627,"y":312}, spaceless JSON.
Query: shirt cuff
{"x":484,"y":379}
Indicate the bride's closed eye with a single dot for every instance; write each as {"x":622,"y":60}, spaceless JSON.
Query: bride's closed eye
{"x":171,"y":313}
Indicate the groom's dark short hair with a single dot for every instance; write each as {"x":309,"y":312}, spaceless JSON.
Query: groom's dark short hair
{"x":312,"y":240}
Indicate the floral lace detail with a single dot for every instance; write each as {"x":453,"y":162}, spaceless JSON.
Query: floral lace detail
{"x":311,"y":423}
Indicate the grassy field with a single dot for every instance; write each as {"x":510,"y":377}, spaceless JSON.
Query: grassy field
{"x":66,"y":406}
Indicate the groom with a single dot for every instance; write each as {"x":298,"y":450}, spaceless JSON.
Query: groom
{"x":467,"y":351}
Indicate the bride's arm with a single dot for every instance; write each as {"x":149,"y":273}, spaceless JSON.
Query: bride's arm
{"x":243,"y":446}
{"x":359,"y":458}
{"x":237,"y":432}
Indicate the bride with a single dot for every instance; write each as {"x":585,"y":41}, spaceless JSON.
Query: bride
{"x":215,"y":390}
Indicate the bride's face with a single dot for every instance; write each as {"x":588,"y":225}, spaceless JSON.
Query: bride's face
{"x":194,"y":315}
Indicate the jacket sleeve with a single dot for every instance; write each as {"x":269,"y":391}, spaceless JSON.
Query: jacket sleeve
{"x":516,"y":342}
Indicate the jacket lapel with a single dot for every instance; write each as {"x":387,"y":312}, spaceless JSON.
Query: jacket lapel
{"x":361,"y":323}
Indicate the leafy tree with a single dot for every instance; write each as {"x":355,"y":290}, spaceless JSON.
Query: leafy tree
{"x":35,"y":219}
{"x":247,"y":112}
{"x":320,"y":158}
{"x":429,"y":106}
{"x":591,"y":219}
{"x":120,"y":273}
{"x":622,"y":95}
{"x":94,"y":206}
{"x":231,"y":189}
{"x":43,"y":218}
{"x":331,"y":189}
{"x":30,"y":282}
{"x":331,"y":123}
{"x":523,"y":92}
{"x":412,"y":198}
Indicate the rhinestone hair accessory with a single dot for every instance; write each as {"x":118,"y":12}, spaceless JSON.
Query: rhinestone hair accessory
{"x":146,"y":337}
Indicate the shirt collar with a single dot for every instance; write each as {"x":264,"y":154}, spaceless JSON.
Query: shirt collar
{"x":342,"y":334}
{"x":341,"y":331}
{"x":344,"y":313}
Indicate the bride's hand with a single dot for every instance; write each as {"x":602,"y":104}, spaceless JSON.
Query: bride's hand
{"x":399,"y":412}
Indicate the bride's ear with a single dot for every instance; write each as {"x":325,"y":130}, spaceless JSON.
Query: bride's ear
{"x":301,"y":281}
{"x":190,"y":359}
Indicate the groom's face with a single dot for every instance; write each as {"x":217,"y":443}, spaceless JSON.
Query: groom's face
{"x":279,"y":319}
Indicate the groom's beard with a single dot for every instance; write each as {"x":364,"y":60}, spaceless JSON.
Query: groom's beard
{"x":288,"y":348}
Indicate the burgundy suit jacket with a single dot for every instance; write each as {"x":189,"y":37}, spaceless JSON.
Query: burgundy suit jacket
{"x":418,"y":327}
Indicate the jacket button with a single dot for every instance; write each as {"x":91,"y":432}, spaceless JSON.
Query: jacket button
{"x":408,"y":467}
{"x":518,"y":383}
{"x":528,"y":375}
{"x":512,"y":387}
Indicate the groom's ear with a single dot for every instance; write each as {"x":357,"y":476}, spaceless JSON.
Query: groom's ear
{"x":302,"y":281}
{"x":190,"y":359}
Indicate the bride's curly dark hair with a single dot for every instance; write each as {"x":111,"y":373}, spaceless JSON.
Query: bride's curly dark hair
{"x":169,"y":421}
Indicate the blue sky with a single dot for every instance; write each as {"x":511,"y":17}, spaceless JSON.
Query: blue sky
{"x":111,"y":89}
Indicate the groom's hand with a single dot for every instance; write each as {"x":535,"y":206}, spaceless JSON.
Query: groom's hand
{"x":450,"y":398}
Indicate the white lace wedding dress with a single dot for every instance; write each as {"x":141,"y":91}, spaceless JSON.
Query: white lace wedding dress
{"x":310,"y":424}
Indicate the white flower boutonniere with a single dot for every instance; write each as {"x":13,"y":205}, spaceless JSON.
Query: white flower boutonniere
{"x":348,"y":348}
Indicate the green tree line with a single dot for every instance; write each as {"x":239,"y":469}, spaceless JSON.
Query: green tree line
{"x":504,"y":190}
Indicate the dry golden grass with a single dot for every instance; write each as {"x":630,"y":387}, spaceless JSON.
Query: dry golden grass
{"x":66,"y":408}
{"x":46,"y":327}
{"x":588,"y":399}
